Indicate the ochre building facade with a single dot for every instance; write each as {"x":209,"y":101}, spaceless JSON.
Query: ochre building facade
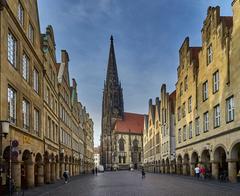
{"x":53,"y":130}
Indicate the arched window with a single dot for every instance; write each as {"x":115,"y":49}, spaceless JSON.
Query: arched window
{"x":121,"y":144}
{"x":135,"y":145}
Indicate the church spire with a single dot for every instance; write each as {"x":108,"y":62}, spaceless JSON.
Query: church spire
{"x":112,"y":74}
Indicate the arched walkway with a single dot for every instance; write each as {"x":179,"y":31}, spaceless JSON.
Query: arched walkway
{"x":179,"y":165}
{"x":234,"y":163}
{"x":219,"y":165}
{"x":206,"y":161}
{"x":186,"y":165}
{"x":194,"y":162}
{"x":38,"y":168}
{"x":27,"y":170}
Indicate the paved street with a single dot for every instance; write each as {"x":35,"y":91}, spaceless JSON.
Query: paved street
{"x":126,"y":183}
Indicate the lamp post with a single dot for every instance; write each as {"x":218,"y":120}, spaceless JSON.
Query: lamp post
{"x":4,"y":131}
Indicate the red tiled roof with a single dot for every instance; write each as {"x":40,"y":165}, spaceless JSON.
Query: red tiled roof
{"x":172,"y":98}
{"x":133,"y":123}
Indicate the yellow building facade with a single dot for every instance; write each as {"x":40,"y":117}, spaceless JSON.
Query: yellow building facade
{"x":47,"y":121}
{"x":207,"y":98}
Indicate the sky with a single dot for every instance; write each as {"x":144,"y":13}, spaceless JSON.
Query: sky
{"x":147,"y":37}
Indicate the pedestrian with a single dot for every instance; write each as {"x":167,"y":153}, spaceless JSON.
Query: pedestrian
{"x":96,"y":170}
{"x":93,"y":171}
{"x":143,"y":173}
{"x":202,"y":172}
{"x":65,"y":175}
{"x":197,"y":171}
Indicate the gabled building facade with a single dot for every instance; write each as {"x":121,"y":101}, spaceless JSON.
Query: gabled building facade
{"x":47,"y":122}
{"x":208,"y":133}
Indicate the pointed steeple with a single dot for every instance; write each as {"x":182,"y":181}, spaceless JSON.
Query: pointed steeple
{"x":112,"y":74}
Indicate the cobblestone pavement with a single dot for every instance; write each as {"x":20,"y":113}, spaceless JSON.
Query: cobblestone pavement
{"x":127,"y":183}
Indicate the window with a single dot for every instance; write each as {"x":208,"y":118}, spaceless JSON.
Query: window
{"x":26,"y":113}
{"x":217,"y":116}
{"x":184,"y":133}
{"x":35,"y":80}
{"x":179,"y":135}
{"x":121,"y":144}
{"x":30,"y":33}
{"x":215,"y":82}
{"x":185,"y":83}
{"x":197,"y":131}
{"x":190,"y":130}
{"x":205,"y":122}
{"x":181,"y":89}
{"x":209,"y":54}
{"x":12,"y":105}
{"x":36,"y":121}
{"x":179,"y":113}
{"x":20,"y":14}
{"x":190,"y":104}
{"x":230,"y":109}
{"x":205,"y":91}
{"x":25,"y":67}
{"x":12,"y":49}
{"x":184,"y":110}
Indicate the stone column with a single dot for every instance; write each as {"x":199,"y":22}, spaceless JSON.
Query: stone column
{"x":215,"y":170}
{"x":232,"y":170}
{"x":62,"y":169}
{"x":16,"y":173}
{"x":30,"y":174}
{"x":53,"y":170}
{"x":40,"y":172}
{"x":57,"y":171}
{"x":47,"y":173}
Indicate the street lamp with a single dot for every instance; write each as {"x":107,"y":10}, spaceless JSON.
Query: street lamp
{"x":4,"y":131}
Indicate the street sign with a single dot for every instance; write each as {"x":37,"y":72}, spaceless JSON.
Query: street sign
{"x":15,"y":143}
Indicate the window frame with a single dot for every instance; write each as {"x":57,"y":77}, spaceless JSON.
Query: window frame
{"x":232,"y":109}
{"x":12,"y":50}
{"x":216,"y":81}
{"x":217,"y":118}
{"x":205,"y":90}
{"x":12,"y":114}
{"x":205,"y":122}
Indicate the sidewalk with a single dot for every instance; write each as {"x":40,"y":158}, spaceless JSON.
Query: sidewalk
{"x":46,"y":188}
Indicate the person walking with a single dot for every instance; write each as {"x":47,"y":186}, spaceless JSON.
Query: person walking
{"x":96,"y":170}
{"x":197,"y":171}
{"x":143,"y":173}
{"x":65,"y":175}
{"x":202,"y":172}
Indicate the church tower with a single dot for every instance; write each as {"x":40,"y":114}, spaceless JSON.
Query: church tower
{"x":112,"y":108}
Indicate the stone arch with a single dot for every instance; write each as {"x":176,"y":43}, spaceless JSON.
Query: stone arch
{"x":26,"y":156}
{"x":27,"y":169}
{"x":6,"y":158}
{"x":179,"y":164}
{"x":121,"y":143}
{"x":194,"y":158}
{"x":219,"y":146}
{"x":206,"y":160}
{"x":220,"y":161}
{"x":38,"y":170}
{"x":235,"y":160}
